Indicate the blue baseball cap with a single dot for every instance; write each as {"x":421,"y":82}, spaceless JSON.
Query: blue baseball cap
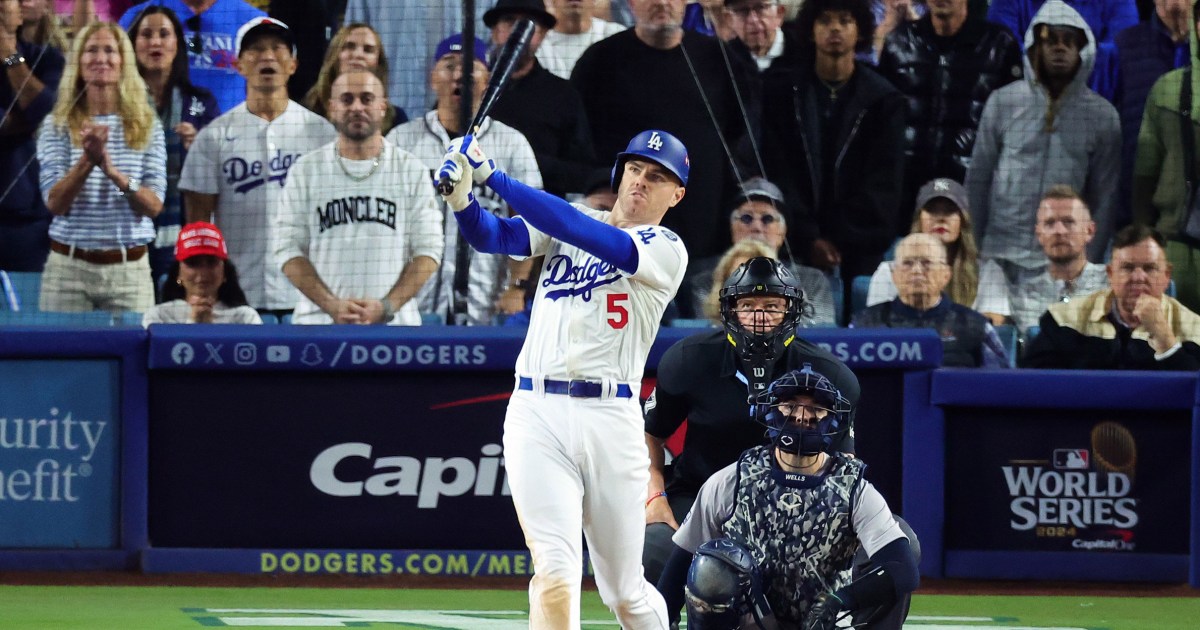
{"x":454,"y":44}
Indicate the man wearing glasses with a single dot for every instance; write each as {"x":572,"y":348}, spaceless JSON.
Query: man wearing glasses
{"x":921,"y":274}
{"x":758,"y":26}
{"x":210,"y":27}
{"x":1133,"y":325}
{"x":706,"y":380}
{"x":757,"y":216}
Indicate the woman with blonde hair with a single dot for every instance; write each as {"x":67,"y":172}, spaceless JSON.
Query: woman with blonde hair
{"x":733,"y":258}
{"x":706,"y":285}
{"x":355,"y":46}
{"x":942,"y":211}
{"x":103,"y":177}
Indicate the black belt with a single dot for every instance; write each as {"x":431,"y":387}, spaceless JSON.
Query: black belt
{"x":575,"y":388}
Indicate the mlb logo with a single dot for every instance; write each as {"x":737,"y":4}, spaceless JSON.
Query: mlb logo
{"x":1071,"y":458}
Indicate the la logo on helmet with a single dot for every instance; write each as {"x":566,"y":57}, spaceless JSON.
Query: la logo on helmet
{"x":655,"y":142}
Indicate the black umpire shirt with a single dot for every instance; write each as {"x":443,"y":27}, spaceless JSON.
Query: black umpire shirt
{"x":698,"y":380}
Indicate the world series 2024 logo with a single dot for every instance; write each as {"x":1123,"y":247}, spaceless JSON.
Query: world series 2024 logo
{"x":1082,"y":494}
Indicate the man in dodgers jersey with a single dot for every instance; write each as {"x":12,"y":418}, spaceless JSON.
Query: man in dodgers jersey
{"x":359,"y":229}
{"x":490,"y":279}
{"x":573,"y":441}
{"x":238,"y":165}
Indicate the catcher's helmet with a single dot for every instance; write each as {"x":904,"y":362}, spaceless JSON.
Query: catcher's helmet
{"x":767,"y":277}
{"x":659,"y":147}
{"x":786,"y":435}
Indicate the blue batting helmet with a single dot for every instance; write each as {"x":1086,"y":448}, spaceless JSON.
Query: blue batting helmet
{"x":659,"y":147}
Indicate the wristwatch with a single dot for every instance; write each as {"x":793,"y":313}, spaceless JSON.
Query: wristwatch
{"x":14,"y":59}
{"x":131,"y":188}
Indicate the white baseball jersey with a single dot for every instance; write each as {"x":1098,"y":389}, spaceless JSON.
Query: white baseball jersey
{"x":244,"y":160}
{"x":593,"y":321}
{"x":427,"y":139}
{"x":358,"y":235}
{"x":559,"y":51}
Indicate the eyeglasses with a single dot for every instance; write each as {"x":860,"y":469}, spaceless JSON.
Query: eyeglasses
{"x":909,"y":264}
{"x":1127,"y":269}
{"x":453,"y":66}
{"x":792,"y":410}
{"x":761,"y":10}
{"x":746,"y":218}
{"x":195,"y":44}
{"x":770,"y":310}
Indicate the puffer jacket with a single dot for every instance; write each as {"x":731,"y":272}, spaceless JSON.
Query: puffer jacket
{"x":1029,"y":142}
{"x":946,"y":92}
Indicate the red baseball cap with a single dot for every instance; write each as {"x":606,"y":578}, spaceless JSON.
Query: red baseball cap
{"x":200,"y":239}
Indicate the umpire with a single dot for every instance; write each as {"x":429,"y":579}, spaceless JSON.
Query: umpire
{"x":708,"y":379}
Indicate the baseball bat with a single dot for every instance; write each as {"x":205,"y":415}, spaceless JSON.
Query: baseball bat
{"x":502,"y":69}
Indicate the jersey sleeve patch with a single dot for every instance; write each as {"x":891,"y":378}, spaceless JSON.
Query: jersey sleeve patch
{"x":662,"y":257}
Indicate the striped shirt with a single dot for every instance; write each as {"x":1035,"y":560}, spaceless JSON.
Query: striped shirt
{"x":100,"y":217}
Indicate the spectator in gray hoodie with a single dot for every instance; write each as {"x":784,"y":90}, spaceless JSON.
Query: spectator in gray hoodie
{"x":1046,"y":130}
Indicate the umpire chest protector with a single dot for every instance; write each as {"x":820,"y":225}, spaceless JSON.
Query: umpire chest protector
{"x":798,"y":530}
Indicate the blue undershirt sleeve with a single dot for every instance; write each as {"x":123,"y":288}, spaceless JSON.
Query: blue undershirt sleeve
{"x":491,"y":234}
{"x":561,"y":220}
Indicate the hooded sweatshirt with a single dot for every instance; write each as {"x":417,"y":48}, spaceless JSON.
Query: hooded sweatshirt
{"x":1029,"y":142}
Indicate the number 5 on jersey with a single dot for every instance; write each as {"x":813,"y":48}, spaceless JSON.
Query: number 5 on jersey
{"x":618,"y":310}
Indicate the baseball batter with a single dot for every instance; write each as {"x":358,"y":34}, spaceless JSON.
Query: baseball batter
{"x":359,"y":227}
{"x":573,"y":433}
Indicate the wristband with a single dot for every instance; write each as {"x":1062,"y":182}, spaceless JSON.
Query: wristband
{"x":660,"y":493}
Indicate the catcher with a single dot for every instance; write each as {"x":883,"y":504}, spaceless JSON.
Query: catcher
{"x":770,"y":538}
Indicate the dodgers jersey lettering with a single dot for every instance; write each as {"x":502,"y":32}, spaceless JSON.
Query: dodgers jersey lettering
{"x":244,"y":160}
{"x":592,"y":320}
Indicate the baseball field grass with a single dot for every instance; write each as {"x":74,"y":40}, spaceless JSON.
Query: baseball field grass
{"x":69,"y":607}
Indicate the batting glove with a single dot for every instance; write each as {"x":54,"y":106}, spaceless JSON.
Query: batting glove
{"x":468,"y":146}
{"x":822,"y":615}
{"x":457,"y":169}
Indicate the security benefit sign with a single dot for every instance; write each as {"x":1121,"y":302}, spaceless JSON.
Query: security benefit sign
{"x":1067,"y":480}
{"x":58,"y":454}
{"x":308,"y":460}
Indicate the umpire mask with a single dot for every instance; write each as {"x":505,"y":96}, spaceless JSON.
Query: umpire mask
{"x":757,"y":342}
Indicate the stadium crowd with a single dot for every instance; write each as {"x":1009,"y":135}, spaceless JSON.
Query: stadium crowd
{"x":1017,"y":144}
